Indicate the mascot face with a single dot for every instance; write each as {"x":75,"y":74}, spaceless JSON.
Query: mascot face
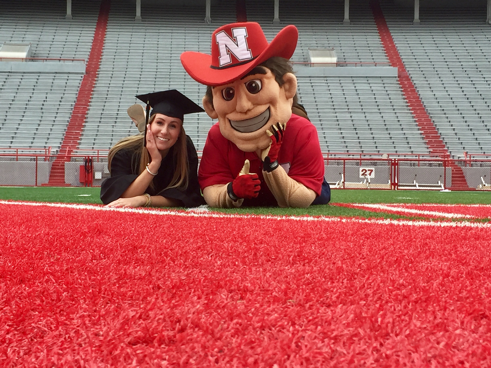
{"x":247,"y":107}
{"x":247,"y":99}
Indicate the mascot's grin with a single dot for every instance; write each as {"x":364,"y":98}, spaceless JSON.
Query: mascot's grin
{"x":251,"y":125}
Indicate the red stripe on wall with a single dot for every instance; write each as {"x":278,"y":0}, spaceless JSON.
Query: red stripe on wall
{"x":425,"y":123}
{"x":77,"y":120}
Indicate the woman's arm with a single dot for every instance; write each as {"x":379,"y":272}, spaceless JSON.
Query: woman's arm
{"x":141,"y":183}
{"x":145,"y":201}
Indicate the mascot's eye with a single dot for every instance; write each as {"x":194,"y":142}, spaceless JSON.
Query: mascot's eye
{"x":254,"y":86}
{"x":228,"y":94}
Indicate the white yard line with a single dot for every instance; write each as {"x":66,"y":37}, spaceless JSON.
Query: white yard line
{"x":438,"y":205}
{"x":394,"y":208}
{"x":163,"y":212}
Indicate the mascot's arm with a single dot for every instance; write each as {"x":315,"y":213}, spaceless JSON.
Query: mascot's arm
{"x":245,"y":185}
{"x":287,"y":191}
{"x":217,"y":196}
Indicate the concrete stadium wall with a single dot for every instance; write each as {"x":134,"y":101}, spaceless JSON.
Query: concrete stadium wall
{"x":23,"y":173}
{"x":473,"y":175}
{"x":424,"y":175}
{"x":352,"y":174}
{"x":407,"y":175}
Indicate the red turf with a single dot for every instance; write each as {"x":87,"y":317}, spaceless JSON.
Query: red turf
{"x":85,"y":287}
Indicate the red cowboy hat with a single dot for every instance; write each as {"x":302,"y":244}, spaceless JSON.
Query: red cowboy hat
{"x":235,"y":50}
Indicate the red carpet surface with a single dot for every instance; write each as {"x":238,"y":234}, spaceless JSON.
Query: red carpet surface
{"x":88,"y":286}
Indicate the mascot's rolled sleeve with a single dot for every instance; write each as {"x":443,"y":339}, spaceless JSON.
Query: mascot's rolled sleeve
{"x":264,"y":151}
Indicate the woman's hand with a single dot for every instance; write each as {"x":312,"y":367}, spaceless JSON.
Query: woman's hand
{"x":152,"y":149}
{"x":138,"y":201}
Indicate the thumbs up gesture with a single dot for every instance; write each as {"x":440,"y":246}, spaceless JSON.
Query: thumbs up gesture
{"x":245,"y":185}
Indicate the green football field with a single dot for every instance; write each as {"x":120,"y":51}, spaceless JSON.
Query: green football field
{"x":86,"y":195}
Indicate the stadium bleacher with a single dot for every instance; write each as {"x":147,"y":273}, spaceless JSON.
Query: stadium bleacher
{"x":447,"y":60}
{"x":35,"y":108}
{"x":449,"y":65}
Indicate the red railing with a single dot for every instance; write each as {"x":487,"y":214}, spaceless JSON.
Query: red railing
{"x":100,"y":154}
{"x":97,"y":154}
{"x":469,"y":157}
{"x":345,"y":168}
{"x":26,"y":152}
{"x":375,"y":155}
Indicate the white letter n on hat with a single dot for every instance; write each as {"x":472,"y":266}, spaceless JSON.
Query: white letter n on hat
{"x":226,"y":45}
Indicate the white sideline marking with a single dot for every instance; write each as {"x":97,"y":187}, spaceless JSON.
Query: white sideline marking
{"x":269,"y":217}
{"x":409,"y":210}
{"x":438,"y":205}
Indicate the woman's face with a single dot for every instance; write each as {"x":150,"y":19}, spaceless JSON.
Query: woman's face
{"x":165,"y":129}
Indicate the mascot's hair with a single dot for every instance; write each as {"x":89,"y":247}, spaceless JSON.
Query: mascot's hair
{"x":279,"y":67}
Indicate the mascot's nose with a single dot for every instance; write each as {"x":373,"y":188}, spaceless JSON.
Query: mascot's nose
{"x":244,"y":104}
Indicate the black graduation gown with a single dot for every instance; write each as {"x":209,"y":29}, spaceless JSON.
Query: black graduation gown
{"x":124,"y":170}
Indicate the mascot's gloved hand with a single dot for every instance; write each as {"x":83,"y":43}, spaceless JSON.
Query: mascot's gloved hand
{"x":245,"y":185}
{"x":270,"y":154}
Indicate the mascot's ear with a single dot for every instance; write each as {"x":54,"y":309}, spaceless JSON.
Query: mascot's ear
{"x":290,"y":85}
{"x":210,"y":110}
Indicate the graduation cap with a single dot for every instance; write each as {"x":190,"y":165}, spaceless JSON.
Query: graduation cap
{"x":171,"y":103}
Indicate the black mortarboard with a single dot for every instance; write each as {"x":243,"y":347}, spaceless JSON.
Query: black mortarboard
{"x":171,"y":103}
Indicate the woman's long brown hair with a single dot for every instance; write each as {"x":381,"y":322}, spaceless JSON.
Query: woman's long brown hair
{"x":180,"y":156}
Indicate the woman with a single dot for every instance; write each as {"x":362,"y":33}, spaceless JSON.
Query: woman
{"x":158,"y":168}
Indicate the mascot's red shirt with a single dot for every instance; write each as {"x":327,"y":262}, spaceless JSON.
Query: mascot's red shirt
{"x":300,"y":156}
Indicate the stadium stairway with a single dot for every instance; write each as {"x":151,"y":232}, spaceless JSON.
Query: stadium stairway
{"x":430,"y":134}
{"x":77,"y":120}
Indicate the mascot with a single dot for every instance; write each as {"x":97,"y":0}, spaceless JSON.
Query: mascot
{"x":263,"y":151}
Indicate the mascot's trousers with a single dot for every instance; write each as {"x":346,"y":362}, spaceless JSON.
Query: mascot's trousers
{"x":325,"y":196}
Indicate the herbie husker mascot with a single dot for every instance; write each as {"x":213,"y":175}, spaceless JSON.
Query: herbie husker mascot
{"x":263,"y":151}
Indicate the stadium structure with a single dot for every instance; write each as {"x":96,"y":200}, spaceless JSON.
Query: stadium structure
{"x":396,"y":88}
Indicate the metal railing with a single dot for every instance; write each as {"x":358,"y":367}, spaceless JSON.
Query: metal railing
{"x":395,"y":171}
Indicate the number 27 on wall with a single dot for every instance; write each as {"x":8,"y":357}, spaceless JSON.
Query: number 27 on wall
{"x":367,"y":172}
